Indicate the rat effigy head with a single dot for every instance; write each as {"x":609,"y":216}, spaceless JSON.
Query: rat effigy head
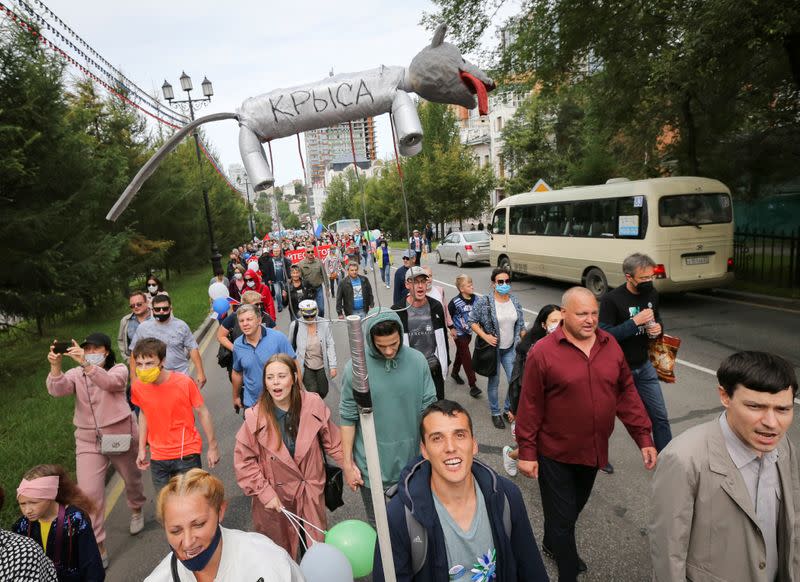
{"x":439,"y":73}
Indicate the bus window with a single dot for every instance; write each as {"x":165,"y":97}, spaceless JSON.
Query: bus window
{"x":694,"y":209}
{"x":630,"y":217}
{"x":499,"y":222}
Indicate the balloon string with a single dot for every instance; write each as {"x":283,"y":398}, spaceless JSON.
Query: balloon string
{"x":294,"y":525}
{"x":322,"y":531}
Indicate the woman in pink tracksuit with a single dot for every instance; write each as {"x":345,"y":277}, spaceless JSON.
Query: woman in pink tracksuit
{"x":101,"y":407}
{"x":278,"y":454}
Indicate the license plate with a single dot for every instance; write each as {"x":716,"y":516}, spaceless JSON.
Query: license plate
{"x":697,"y":260}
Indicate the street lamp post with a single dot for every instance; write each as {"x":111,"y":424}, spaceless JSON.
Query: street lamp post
{"x":250,"y":220}
{"x":208,"y":91}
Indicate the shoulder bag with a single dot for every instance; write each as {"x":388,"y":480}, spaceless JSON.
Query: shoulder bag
{"x":110,"y":444}
{"x":484,"y":358}
{"x":334,"y":481}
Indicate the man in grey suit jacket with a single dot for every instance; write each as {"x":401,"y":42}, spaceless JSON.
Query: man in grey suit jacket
{"x":725,"y":493}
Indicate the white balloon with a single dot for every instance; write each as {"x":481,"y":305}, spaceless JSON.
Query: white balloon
{"x":217,"y":290}
{"x":324,"y":563}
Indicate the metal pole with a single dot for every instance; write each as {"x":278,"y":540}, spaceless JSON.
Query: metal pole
{"x":363,"y":399}
{"x":216,"y":258}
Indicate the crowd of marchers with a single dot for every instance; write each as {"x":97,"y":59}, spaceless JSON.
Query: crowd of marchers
{"x":724,"y":494}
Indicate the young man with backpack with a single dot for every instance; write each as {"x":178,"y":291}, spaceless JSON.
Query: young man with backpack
{"x":453,"y":517}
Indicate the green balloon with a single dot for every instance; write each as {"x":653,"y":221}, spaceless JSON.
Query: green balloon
{"x":356,"y":540}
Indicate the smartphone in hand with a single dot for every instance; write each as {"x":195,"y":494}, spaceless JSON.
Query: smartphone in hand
{"x":61,"y":347}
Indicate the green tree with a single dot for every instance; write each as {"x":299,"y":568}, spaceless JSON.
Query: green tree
{"x":681,"y":86}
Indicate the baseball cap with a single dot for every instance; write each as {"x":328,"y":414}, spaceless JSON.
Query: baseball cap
{"x":97,"y":339}
{"x":406,"y":255}
{"x":415,"y":272}
{"x":308,"y":308}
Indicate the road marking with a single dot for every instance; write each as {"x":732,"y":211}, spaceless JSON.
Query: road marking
{"x":697,"y":367}
{"x":114,"y":491}
{"x":741,"y":302}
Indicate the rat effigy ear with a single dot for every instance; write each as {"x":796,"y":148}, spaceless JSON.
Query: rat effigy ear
{"x":438,"y":36}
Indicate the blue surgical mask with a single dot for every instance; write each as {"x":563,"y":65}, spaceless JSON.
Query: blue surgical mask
{"x":503,"y":289}
{"x":202,"y":559}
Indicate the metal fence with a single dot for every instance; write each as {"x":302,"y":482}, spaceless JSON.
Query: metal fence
{"x":769,"y":258}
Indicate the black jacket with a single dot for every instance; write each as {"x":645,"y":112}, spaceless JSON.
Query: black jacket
{"x":518,"y":558}
{"x":439,"y":329}
{"x":298,"y":294}
{"x":79,"y":558}
{"x":344,"y":296}
{"x":399,"y":292}
{"x":268,"y":269}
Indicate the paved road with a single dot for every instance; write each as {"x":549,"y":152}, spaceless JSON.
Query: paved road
{"x":612,"y":536}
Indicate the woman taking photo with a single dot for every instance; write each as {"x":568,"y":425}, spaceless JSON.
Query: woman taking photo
{"x":191,"y":508}
{"x":497,"y":319}
{"x":101,"y":408}
{"x":278,"y":455}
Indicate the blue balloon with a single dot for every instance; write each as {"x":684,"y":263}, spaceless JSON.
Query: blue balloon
{"x":220,"y":306}
{"x":324,"y":563}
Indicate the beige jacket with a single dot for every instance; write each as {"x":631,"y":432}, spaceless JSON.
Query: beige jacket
{"x":703,"y":526}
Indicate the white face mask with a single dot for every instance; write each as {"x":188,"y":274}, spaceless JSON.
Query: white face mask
{"x":237,"y":276}
{"x":95,"y":359}
{"x":152,"y":289}
{"x":251,"y":284}
{"x":551,"y":328}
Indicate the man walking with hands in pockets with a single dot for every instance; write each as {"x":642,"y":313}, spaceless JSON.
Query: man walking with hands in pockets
{"x":575,"y":383}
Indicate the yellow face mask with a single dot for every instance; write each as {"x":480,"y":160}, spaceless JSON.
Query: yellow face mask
{"x":149,"y":375}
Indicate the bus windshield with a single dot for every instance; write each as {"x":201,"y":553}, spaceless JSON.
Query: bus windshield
{"x":694,"y":209}
{"x":345,"y":226}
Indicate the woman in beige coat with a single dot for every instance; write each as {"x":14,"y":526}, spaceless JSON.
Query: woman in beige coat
{"x":278,"y":454}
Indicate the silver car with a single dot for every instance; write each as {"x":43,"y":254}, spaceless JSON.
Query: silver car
{"x":463,"y":247}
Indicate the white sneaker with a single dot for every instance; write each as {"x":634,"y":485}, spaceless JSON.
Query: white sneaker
{"x":509,"y":464}
{"x":137,"y":523}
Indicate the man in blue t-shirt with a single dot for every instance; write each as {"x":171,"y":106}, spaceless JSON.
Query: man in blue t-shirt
{"x":251,"y":350}
{"x":355,"y":294}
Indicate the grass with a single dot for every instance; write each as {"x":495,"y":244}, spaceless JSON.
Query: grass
{"x":37,"y":428}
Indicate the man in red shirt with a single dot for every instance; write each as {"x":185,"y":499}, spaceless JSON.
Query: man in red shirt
{"x":576,"y":381}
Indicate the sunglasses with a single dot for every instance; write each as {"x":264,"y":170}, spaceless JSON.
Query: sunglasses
{"x":135,"y":305}
{"x":248,"y":280}
{"x":501,"y":281}
{"x":161,"y":309}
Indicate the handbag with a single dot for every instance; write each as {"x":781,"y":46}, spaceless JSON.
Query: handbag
{"x":484,"y":358}
{"x":110,"y":444}
{"x":334,"y":481}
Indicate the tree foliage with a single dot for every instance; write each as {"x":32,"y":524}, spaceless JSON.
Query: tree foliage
{"x":663,"y":86}
{"x":68,"y":153}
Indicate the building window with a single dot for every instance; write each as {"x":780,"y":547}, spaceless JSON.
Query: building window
{"x":499,"y":123}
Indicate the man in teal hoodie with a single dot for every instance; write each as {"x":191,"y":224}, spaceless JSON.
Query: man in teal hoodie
{"x":401,"y":387}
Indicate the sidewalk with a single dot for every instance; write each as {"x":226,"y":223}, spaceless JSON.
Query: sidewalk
{"x":757,"y":298}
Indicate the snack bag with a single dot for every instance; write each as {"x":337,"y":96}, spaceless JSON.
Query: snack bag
{"x":663,"y":353}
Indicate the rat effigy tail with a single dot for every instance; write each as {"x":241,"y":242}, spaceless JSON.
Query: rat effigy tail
{"x":147,"y":170}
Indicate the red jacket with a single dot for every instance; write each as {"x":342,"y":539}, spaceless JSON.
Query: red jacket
{"x":568,"y":402}
{"x":266,"y":294}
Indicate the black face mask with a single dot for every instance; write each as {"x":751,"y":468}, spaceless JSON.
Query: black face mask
{"x":162,"y":316}
{"x":644,"y":287}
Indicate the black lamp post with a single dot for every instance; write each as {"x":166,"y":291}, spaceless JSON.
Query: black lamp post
{"x":208,"y":91}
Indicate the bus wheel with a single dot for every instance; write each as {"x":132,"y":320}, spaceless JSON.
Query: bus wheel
{"x":595,"y":281}
{"x":505,"y":263}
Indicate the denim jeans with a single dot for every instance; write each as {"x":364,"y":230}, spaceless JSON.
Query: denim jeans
{"x":385,"y":273}
{"x":163,"y":471}
{"x":277,"y":288}
{"x":505,"y":360}
{"x":320,"y":299}
{"x":646,"y":379}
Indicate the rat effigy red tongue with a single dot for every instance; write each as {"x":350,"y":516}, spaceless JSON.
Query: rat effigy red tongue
{"x":477,"y":87}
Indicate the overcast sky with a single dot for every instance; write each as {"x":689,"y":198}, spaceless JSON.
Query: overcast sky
{"x":246,"y":48}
